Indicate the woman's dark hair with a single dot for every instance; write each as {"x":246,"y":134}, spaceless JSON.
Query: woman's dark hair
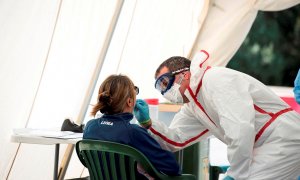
{"x":113,"y":94}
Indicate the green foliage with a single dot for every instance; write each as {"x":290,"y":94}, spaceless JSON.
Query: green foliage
{"x":271,"y":51}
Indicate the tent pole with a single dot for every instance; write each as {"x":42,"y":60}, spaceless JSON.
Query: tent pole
{"x":68,"y":153}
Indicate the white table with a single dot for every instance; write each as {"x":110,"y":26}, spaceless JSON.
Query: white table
{"x":46,"y":137}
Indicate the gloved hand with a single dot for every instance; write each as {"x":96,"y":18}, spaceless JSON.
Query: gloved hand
{"x":297,"y":88}
{"x":228,"y":178}
{"x":141,"y":112}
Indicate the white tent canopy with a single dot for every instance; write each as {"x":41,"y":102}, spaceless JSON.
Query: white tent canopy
{"x":54,"y":53}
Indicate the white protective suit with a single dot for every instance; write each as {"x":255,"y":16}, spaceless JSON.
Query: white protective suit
{"x":261,"y":131}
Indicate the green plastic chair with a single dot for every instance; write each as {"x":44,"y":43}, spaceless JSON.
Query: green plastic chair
{"x":109,"y":160}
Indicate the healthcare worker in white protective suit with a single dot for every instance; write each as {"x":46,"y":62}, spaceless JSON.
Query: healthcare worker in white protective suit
{"x":261,"y":131}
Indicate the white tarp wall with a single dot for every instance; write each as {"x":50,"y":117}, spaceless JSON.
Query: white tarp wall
{"x":149,"y":32}
{"x":49,"y":51}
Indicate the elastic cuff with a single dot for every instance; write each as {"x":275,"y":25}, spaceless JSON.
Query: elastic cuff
{"x":147,"y":124}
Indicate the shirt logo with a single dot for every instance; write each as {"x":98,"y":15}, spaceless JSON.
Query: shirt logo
{"x":107,"y":123}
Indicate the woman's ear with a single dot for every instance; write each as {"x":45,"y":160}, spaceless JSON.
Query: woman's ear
{"x":130,"y":102}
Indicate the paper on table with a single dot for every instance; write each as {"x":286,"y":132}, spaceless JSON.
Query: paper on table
{"x":44,"y":132}
{"x":71,"y":136}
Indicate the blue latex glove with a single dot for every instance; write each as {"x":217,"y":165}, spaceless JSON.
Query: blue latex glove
{"x":141,"y":112}
{"x":297,"y":88}
{"x":228,"y":178}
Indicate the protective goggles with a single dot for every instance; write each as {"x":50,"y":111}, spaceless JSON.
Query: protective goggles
{"x":137,"y":90}
{"x":164,"y":82}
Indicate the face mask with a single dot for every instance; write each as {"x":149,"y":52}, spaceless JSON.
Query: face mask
{"x":173,"y":94}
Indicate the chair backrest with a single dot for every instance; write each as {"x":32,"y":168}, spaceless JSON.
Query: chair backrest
{"x":109,"y":160}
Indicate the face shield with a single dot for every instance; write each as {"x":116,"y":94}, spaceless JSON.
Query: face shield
{"x":164,"y":82}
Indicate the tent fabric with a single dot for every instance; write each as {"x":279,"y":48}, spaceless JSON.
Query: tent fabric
{"x":24,"y":45}
{"x":147,"y":33}
{"x":228,"y":23}
{"x":49,"y":51}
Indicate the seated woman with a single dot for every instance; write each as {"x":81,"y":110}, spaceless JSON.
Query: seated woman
{"x":116,"y":101}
